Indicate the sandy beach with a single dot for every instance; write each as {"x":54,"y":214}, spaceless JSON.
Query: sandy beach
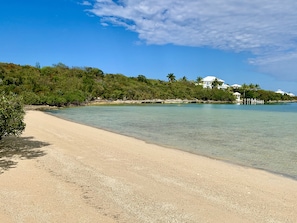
{"x":60,"y":171}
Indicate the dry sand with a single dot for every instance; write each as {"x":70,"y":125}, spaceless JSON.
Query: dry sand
{"x":60,"y":171}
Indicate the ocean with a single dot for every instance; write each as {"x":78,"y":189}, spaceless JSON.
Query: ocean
{"x":257,"y":136}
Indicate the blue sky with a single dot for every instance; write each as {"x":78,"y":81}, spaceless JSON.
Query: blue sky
{"x":239,"y":41}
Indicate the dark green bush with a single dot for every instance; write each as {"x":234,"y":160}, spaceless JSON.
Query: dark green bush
{"x":11,"y":115}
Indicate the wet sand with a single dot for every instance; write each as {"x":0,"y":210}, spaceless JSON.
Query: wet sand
{"x":66,"y":172}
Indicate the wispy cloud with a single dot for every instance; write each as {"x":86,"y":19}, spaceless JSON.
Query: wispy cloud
{"x":85,"y":3}
{"x":266,"y":28}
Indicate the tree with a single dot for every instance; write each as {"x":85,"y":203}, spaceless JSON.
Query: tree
{"x":184,"y":78}
{"x":11,"y":115}
{"x":199,"y":80}
{"x":251,"y":86}
{"x":94,"y":72}
{"x":216,"y":83}
{"x":37,"y":65}
{"x":171,"y":77}
{"x":142,"y":78}
{"x":257,"y":86}
{"x":60,"y":65}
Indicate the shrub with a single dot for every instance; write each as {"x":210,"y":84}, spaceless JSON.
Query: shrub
{"x":11,"y":115}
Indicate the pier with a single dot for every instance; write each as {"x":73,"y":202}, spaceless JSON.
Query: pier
{"x":252,"y":101}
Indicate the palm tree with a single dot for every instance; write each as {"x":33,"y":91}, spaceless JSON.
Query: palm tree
{"x":184,"y":78}
{"x":251,"y":87}
{"x":199,"y":80}
{"x":216,"y":83}
{"x":254,"y":87}
{"x":171,"y":77}
{"x":257,"y":86}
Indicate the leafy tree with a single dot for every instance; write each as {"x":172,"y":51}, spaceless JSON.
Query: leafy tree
{"x":142,"y":78}
{"x":60,"y":65}
{"x":94,"y":73}
{"x":11,"y":115}
{"x":31,"y":98}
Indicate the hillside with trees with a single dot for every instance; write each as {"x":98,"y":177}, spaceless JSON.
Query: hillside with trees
{"x":61,"y":85}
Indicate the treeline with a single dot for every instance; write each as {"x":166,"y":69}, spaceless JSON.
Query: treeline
{"x":61,"y":85}
{"x":264,"y":95}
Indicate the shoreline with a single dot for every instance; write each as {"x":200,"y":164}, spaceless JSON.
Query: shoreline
{"x":174,"y":101}
{"x":143,"y":102}
{"x":95,"y":175}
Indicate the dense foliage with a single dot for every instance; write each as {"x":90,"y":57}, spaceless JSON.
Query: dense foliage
{"x":60,"y":85}
{"x":11,"y":115}
{"x":254,"y":91}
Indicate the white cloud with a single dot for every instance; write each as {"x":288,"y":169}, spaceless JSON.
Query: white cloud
{"x":85,"y":3}
{"x":282,"y":66}
{"x":265,"y":28}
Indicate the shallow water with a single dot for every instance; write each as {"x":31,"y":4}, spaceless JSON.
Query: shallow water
{"x":259,"y":136}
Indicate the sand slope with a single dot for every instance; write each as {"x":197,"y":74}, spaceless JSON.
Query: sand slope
{"x":76,"y":173}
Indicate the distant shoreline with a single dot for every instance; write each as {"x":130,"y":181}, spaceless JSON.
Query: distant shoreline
{"x":149,"y":101}
{"x":173,"y":101}
{"x":159,"y":101}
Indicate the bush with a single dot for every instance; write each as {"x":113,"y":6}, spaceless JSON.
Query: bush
{"x":30,"y":98}
{"x":11,"y":115}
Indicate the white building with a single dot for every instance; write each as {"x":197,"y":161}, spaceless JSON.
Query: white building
{"x":236,"y":86}
{"x":224,"y":86}
{"x":279,"y":91}
{"x":207,"y":82}
{"x":237,"y":95}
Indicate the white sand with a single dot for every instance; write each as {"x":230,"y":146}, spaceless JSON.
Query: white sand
{"x":91,"y":175}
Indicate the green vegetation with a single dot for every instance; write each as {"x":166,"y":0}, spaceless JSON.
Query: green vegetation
{"x":254,"y":91}
{"x":11,"y":115}
{"x":61,"y":85}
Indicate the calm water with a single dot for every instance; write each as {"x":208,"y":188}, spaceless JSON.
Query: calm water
{"x":260,"y":136}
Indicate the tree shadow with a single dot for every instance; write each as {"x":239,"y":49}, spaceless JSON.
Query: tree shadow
{"x":15,"y":148}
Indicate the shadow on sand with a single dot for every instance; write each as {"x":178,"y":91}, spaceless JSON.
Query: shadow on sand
{"x":15,"y":148}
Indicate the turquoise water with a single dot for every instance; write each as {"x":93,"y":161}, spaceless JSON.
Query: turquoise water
{"x":259,"y":136}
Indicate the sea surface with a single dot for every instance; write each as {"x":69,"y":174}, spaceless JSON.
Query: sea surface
{"x":258,"y":136}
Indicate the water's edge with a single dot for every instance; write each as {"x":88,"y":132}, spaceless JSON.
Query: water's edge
{"x":282,"y":174}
